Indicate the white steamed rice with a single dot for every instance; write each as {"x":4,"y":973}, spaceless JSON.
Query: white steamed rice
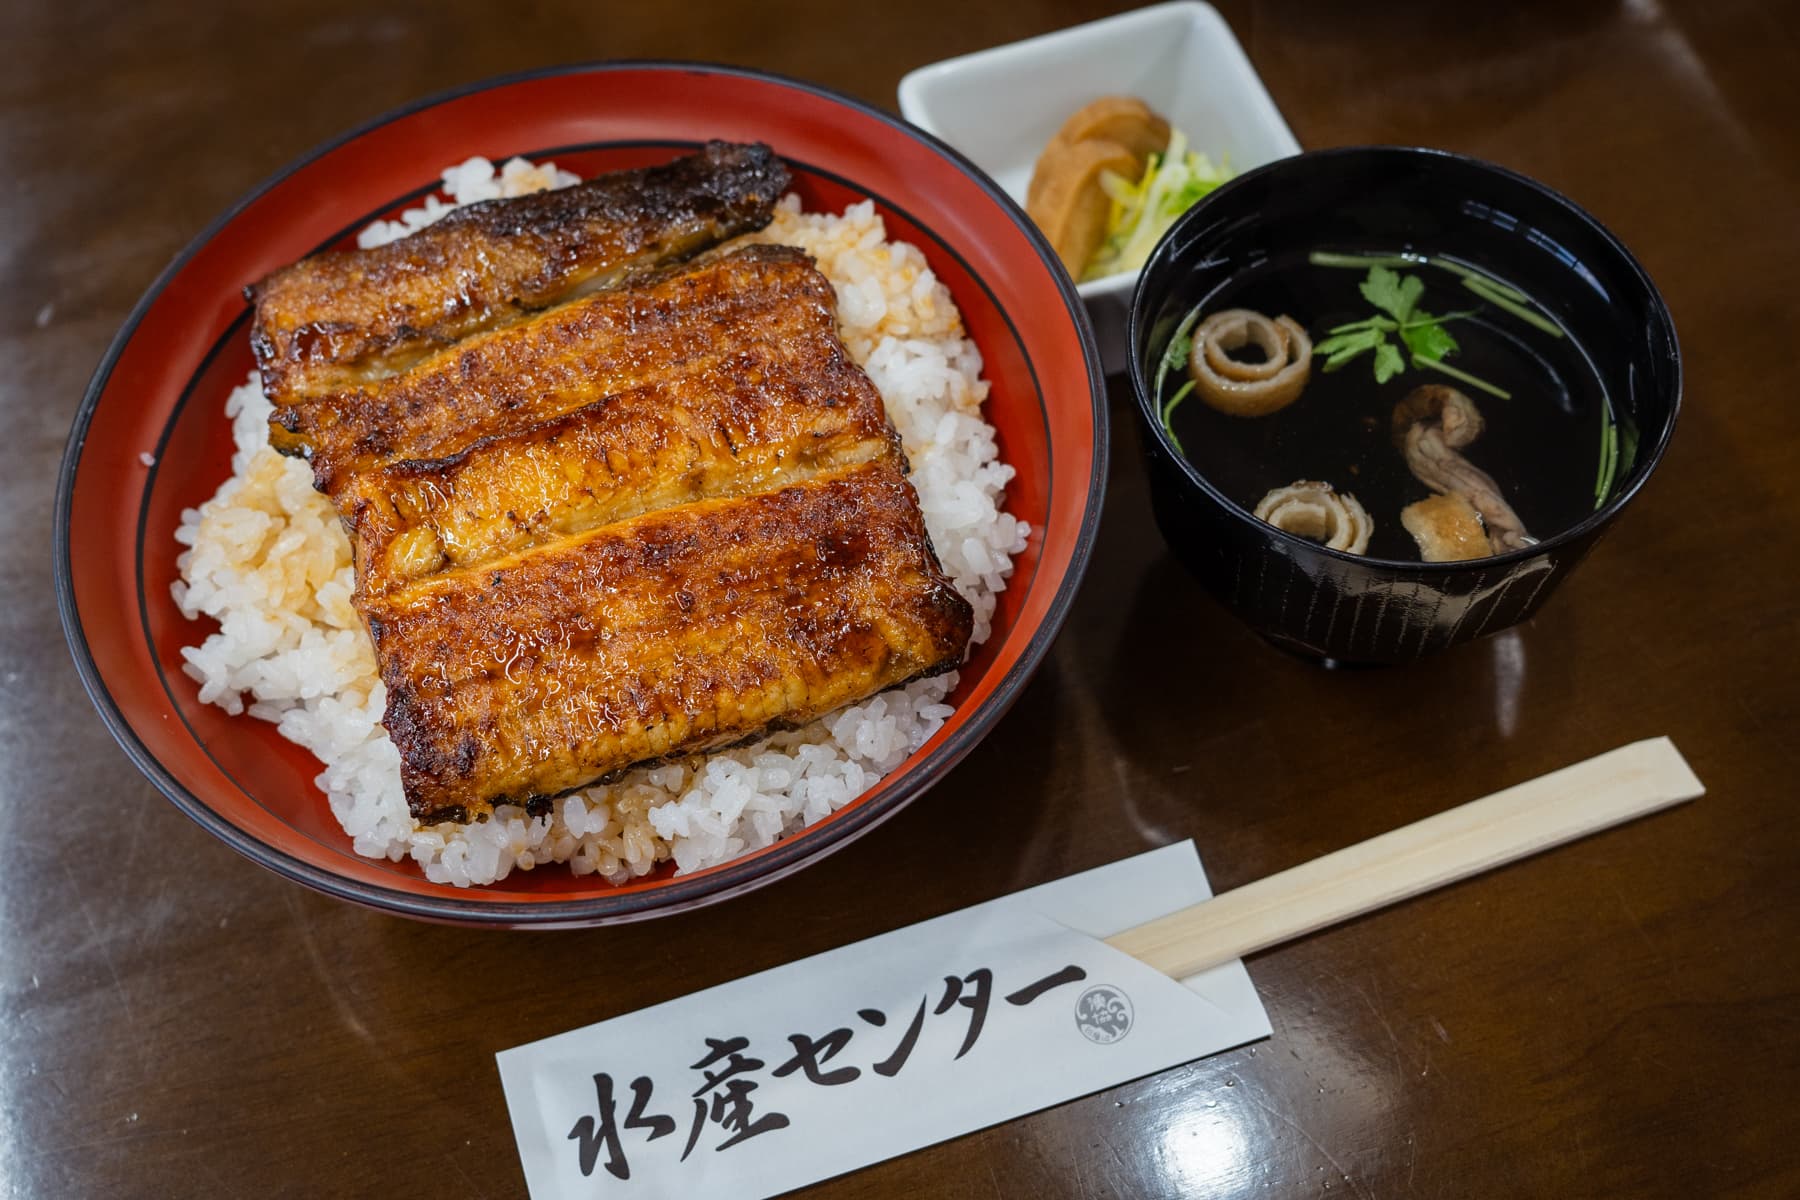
{"x":269,"y":562}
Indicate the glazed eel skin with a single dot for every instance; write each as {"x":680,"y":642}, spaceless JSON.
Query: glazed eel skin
{"x":342,"y":318}
{"x":653,"y":521}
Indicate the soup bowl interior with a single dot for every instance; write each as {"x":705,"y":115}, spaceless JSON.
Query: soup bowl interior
{"x":152,"y":439}
{"x":1343,"y":607}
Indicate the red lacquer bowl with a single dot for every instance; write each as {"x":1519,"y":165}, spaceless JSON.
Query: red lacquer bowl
{"x":161,"y":388}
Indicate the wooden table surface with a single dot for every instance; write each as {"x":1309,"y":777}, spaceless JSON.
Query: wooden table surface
{"x":1617,"y":1018}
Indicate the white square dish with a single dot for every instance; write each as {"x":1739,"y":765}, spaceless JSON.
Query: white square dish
{"x":1000,"y":106}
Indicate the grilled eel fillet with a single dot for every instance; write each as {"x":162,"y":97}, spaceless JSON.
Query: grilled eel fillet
{"x":736,"y":316}
{"x":673,"y":632}
{"x":720,"y":379}
{"x":650,"y":522}
{"x":342,"y":318}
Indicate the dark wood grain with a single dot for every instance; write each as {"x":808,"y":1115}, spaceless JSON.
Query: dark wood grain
{"x":1619,"y":1018}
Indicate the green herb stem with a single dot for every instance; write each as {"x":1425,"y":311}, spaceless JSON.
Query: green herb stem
{"x":1487,"y":291}
{"x":1464,"y":315}
{"x":1168,"y":414}
{"x":1472,"y":380}
{"x":1471,"y":275}
{"x":1609,"y":462}
{"x":1325,"y":258}
{"x":1496,"y":289}
{"x":1384,"y":324}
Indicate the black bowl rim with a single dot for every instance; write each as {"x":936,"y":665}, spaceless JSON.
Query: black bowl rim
{"x":680,"y":894}
{"x":1574,"y":534}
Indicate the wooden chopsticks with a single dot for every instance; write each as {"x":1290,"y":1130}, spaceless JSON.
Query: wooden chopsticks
{"x":1559,"y":807}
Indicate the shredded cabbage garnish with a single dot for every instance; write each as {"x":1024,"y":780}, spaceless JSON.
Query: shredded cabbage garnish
{"x":1143,"y":211}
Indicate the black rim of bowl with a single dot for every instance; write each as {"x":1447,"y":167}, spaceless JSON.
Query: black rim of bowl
{"x":678,"y":894}
{"x":1647,"y":460}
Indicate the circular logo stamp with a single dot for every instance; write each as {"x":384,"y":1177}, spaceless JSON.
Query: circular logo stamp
{"x":1103,"y":1014}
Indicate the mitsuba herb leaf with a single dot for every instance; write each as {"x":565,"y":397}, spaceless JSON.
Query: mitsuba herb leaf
{"x":1341,"y":348}
{"x":1394,"y":294}
{"x":1428,"y":341}
{"x":1424,"y":337}
{"x":1388,"y":362}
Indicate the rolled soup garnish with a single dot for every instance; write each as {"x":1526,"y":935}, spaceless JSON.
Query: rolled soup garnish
{"x":1249,"y":389}
{"x":1310,"y":509}
{"x":1431,"y":424}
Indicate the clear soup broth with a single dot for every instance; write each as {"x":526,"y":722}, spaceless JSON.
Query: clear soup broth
{"x":1552,"y":447}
